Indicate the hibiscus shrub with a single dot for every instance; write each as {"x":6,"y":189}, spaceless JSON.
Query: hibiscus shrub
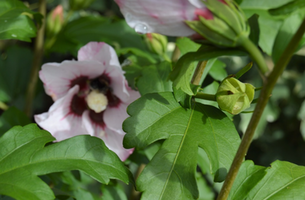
{"x":152,"y":99}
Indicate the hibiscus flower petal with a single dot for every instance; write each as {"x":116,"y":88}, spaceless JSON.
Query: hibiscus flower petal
{"x":114,"y":117}
{"x":133,"y":95}
{"x":117,"y":83}
{"x":99,"y":51}
{"x":159,"y":16}
{"x":112,"y":139}
{"x":58,"y":78}
{"x":59,"y":120}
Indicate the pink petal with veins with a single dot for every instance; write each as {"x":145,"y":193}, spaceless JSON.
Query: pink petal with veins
{"x":112,"y":139}
{"x":99,"y":51}
{"x":59,"y":120}
{"x":159,"y":16}
{"x":58,"y":78}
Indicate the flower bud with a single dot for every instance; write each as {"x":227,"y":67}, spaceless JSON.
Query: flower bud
{"x":234,"y":96}
{"x":55,"y":20}
{"x":79,"y":4}
{"x":156,"y":43}
{"x":227,"y":27}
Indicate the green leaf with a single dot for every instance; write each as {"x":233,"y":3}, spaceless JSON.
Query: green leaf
{"x":268,"y":25}
{"x":132,"y":74}
{"x":170,"y":174}
{"x":243,"y":70}
{"x":186,"y":45}
{"x":15,"y":22}
{"x":218,"y":71}
{"x":12,"y":117}
{"x":184,"y":69}
{"x":76,"y":186}
{"x":205,"y":191}
{"x":113,"y":192}
{"x":254,"y":27}
{"x":86,"y":29}
{"x":288,"y":8}
{"x":283,"y":180}
{"x":154,"y":79}
{"x":285,"y":34}
{"x":14,"y":74}
{"x":248,"y":176}
{"x":148,"y":58}
{"x":23,"y":157}
{"x":209,"y":89}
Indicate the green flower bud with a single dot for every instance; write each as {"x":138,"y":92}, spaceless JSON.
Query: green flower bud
{"x":227,"y":27}
{"x":79,"y":4}
{"x":234,"y":96}
{"x":55,"y":21}
{"x":156,"y":43}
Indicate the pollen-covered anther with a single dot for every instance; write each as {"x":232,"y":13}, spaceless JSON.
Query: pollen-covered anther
{"x":97,"y":101}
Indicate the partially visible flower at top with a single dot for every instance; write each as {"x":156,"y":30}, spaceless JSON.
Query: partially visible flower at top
{"x":91,"y":96}
{"x":219,"y":21}
{"x":166,"y":17}
{"x":156,"y":43}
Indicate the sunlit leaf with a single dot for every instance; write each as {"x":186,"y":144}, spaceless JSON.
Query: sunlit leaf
{"x":154,"y":78}
{"x":14,"y":23}
{"x":248,"y":176}
{"x":24,"y":156}
{"x":170,"y":174}
{"x":283,"y":180}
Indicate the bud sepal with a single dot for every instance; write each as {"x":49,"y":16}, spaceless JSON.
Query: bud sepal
{"x":234,"y":96}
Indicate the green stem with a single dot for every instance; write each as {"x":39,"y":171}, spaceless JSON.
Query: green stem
{"x":209,"y":97}
{"x":255,"y":54}
{"x":176,"y":54}
{"x":261,"y":103}
{"x":38,"y":54}
{"x":198,"y":72}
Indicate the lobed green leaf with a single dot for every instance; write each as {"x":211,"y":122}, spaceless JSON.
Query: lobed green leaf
{"x":283,"y":180}
{"x":24,"y":156}
{"x":171,"y":172}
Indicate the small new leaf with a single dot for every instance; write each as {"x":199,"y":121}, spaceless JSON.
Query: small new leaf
{"x":183,"y":71}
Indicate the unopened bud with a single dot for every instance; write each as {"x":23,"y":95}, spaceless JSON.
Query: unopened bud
{"x":234,"y":96}
{"x":55,"y":21}
{"x":227,"y":27}
{"x":156,"y":43}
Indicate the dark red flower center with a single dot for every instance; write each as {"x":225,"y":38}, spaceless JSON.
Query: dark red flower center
{"x":81,"y":81}
{"x":97,"y":118}
{"x":101,"y":84}
{"x":78,"y":105}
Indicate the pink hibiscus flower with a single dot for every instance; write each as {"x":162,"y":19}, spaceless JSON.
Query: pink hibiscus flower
{"x":166,"y":17}
{"x":91,"y":96}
